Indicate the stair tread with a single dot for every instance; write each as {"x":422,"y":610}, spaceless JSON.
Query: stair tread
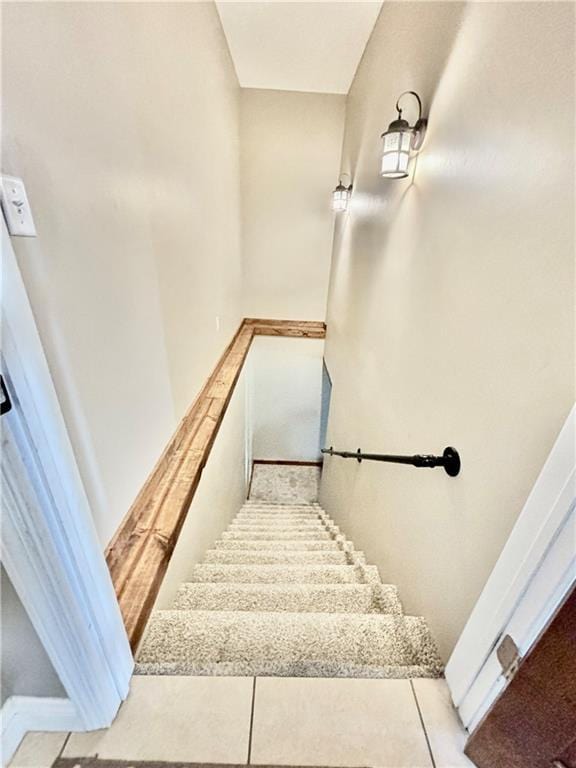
{"x":262,"y":510}
{"x":281,"y":522}
{"x":275,"y":528}
{"x":316,"y":545}
{"x":312,"y":641}
{"x":251,"y":534}
{"x":283,"y":511}
{"x":328,"y":598}
{"x":275,"y":504}
{"x":315,"y":574}
{"x":313,"y":514}
{"x":268,"y":557}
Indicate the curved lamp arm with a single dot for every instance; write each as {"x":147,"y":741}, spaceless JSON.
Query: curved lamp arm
{"x":419,"y":126}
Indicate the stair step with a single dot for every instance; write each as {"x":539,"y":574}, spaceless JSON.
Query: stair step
{"x":325,"y":598}
{"x":263,"y":557}
{"x":287,"y":574}
{"x":277,"y":524}
{"x":294,"y":644}
{"x":282,"y":511}
{"x":285,"y":521}
{"x":277,"y":528}
{"x":245,"y":518}
{"x":282,"y":593}
{"x":280,"y":504}
{"x":262,"y":535}
{"x":317,"y":545}
{"x":278,"y":508}
{"x":310,"y":511}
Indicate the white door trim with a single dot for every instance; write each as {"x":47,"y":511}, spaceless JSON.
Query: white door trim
{"x":50,"y":549}
{"x":534,"y":573}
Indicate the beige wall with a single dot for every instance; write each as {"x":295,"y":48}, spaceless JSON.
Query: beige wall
{"x":451,"y":306}
{"x":291,"y":145}
{"x":221,"y":493}
{"x":123,"y":120}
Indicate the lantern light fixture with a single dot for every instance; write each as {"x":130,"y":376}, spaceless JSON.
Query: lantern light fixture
{"x":341,"y":195}
{"x":400,"y":140}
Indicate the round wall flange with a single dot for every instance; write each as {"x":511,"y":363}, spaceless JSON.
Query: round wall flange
{"x":451,"y":461}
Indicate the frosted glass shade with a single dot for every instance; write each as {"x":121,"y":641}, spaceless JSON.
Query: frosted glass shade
{"x":340,"y":197}
{"x":396,"y":145}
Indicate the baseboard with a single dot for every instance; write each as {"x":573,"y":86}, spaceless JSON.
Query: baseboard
{"x":21,"y":714}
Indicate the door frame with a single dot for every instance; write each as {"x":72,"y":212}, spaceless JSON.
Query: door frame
{"x":533,"y":575}
{"x":51,"y":550}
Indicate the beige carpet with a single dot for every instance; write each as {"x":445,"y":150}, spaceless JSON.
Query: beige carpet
{"x":285,"y":483}
{"x":284,"y":593}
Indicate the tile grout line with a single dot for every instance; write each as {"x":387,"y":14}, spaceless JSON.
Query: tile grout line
{"x":423,"y":725}
{"x":63,"y":747}
{"x":251,"y":722}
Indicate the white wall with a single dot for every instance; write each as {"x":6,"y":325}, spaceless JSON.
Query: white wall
{"x":451,"y":308}
{"x":26,"y":668}
{"x":285,"y":398}
{"x":123,"y":120}
{"x":290,"y":155}
{"x":220,"y":494}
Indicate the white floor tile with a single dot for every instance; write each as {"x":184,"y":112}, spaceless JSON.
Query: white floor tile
{"x":446,"y":735}
{"x":187,"y":719}
{"x":38,"y":750}
{"x":337,"y":722}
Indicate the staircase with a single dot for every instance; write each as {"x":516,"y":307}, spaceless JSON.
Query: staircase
{"x":283,"y":593}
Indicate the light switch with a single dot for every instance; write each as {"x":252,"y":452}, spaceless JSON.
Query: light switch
{"x":16,"y":207}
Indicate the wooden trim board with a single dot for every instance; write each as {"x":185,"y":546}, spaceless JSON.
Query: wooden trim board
{"x":140,"y":551}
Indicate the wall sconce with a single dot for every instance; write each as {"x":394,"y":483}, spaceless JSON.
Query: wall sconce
{"x":399,"y":140}
{"x":341,"y":195}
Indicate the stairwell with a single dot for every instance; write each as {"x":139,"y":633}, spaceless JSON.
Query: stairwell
{"x":284,"y":593}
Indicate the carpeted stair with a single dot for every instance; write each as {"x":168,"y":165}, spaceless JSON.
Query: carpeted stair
{"x":284,"y":593}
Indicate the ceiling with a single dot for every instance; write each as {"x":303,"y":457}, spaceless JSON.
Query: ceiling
{"x":297,"y":46}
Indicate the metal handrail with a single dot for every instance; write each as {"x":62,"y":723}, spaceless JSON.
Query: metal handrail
{"x":450,"y":459}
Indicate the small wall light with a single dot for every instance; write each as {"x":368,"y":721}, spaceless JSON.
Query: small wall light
{"x":399,"y":140}
{"x":341,"y":195}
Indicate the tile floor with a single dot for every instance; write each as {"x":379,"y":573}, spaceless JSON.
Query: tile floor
{"x":272,"y":721}
{"x":39,"y":750}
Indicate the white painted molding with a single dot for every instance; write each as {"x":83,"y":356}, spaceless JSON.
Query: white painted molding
{"x":545,"y":593}
{"x":533,"y":574}
{"x":50,"y":548}
{"x":21,"y":714}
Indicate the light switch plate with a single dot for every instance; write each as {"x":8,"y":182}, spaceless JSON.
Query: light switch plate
{"x":16,"y":207}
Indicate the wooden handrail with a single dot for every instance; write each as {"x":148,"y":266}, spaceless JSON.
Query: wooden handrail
{"x":140,"y":551}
